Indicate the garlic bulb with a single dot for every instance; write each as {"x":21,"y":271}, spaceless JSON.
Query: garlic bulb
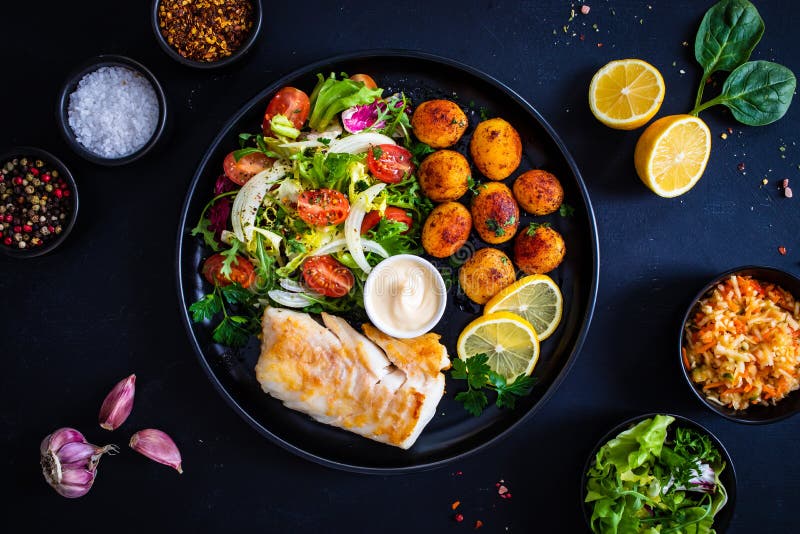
{"x":69,"y":462}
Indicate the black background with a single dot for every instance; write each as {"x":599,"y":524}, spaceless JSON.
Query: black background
{"x":76,"y":321}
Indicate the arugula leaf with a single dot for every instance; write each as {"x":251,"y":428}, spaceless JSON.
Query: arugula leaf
{"x":205,"y":308}
{"x":230,"y":257}
{"x":729,"y":32}
{"x":209,"y":237}
{"x":757,"y":93}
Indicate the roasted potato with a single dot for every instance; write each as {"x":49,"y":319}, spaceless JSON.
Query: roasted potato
{"x":496,"y":148}
{"x":439,"y":123}
{"x":444,"y":175}
{"x":495,"y":213}
{"x":538,"y":192}
{"x":539,"y":250}
{"x":486,"y":273}
{"x":446,"y":229}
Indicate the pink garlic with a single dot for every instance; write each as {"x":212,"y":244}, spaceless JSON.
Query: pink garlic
{"x":69,"y":462}
{"x":157,"y":446}
{"x":118,"y":404}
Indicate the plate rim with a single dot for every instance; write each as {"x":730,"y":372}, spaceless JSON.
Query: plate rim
{"x":587,"y":317}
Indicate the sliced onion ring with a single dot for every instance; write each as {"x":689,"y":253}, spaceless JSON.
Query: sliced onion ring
{"x":352,"y":226}
{"x":360,"y":142}
{"x":290,"y":300}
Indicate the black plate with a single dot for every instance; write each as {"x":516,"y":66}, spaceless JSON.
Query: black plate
{"x":728,"y":475}
{"x":758,"y":414}
{"x":453,"y":433}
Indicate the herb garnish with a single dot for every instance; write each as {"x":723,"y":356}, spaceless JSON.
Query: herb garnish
{"x":535,"y":226}
{"x":495,"y":227}
{"x":233,"y":330}
{"x":479,"y":376}
{"x":565,"y":210}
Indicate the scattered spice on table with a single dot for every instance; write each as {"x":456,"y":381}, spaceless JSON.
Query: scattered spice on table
{"x":502,"y":490}
{"x":458,"y":518}
{"x":113,"y":112}
{"x":35,"y":203}
{"x":205,"y":30}
{"x":455,"y":505}
{"x":478,"y":524}
{"x":782,"y":251}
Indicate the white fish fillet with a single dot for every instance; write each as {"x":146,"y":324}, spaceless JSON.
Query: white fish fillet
{"x":376,"y":386}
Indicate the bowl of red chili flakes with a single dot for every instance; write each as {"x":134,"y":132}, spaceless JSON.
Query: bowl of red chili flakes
{"x":206,"y":34}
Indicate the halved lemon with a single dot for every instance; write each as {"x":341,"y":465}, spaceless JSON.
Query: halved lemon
{"x":508,"y":340}
{"x":626,"y":93}
{"x":535,"y":298}
{"x":672,"y":154}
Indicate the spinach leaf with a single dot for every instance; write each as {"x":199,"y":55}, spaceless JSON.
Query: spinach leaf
{"x":729,"y":32}
{"x":757,"y":93}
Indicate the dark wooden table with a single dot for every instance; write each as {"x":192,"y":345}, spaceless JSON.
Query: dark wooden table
{"x":104,"y":305}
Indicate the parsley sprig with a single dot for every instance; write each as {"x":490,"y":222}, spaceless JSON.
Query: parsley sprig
{"x":479,"y":376}
{"x":234,"y":330}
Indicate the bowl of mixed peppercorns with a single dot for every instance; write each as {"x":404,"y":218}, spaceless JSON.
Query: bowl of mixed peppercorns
{"x":206,"y":34}
{"x":38,"y":202}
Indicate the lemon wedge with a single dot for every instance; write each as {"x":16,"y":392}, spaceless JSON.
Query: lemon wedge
{"x":508,"y":340}
{"x":536,"y":298}
{"x":626,"y":93}
{"x":672,"y":154}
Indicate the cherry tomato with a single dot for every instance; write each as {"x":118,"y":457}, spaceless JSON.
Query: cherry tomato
{"x":392,"y":213}
{"x":247,"y":166}
{"x":325,"y":275}
{"x":366,"y":79}
{"x":291,"y":103}
{"x":322,"y":207}
{"x":389,"y":163}
{"x":242,"y":271}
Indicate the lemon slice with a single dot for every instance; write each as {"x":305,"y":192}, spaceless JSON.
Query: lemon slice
{"x":508,"y":340}
{"x":535,"y":298}
{"x":626,"y":93}
{"x":672,"y":154}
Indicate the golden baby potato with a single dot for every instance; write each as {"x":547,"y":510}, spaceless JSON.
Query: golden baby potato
{"x":444,"y":175}
{"x":538,"y":192}
{"x":485,"y":274}
{"x":539,"y":250}
{"x":439,"y":123}
{"x":446,"y":229}
{"x":495,"y":213}
{"x":496,"y":148}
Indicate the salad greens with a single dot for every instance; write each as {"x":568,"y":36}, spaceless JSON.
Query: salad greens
{"x":261,"y":224}
{"x":476,"y":371}
{"x":756,"y":92}
{"x":644,"y":481}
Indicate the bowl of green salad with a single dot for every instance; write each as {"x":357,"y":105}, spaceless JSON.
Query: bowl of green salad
{"x":657,"y":473}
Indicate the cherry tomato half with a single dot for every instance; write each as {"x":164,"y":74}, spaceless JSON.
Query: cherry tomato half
{"x":247,"y":166}
{"x":242,"y":271}
{"x":325,"y":275}
{"x":291,"y":103}
{"x":366,"y":79}
{"x":322,"y":207}
{"x":389,"y":163}
{"x":392,"y":213}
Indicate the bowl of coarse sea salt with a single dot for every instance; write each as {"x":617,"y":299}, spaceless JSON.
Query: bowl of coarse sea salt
{"x":112,"y":110}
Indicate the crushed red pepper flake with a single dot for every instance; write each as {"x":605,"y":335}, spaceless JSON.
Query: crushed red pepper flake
{"x":478,"y":524}
{"x":205,"y":30}
{"x":455,"y":505}
{"x":782,"y":251}
{"x":459,"y":518}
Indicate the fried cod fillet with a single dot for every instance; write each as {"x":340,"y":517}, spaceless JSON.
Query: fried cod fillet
{"x":379,"y":387}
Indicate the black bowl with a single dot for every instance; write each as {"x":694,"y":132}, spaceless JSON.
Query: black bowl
{"x":728,"y":475}
{"x":757,"y":414}
{"x":49,"y":158}
{"x":71,"y":84}
{"x":235,"y":56}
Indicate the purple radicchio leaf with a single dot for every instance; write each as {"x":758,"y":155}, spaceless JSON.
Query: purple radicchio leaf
{"x":358,"y":118}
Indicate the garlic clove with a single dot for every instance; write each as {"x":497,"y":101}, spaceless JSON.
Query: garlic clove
{"x":157,"y":446}
{"x":69,"y":462}
{"x":118,"y":404}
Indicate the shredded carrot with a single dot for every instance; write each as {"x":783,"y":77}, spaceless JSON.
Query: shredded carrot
{"x":686,"y":363}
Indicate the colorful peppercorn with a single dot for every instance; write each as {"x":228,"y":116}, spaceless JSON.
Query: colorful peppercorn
{"x":32,"y":216}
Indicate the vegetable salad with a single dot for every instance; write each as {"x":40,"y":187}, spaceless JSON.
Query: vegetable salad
{"x":649,"y":480}
{"x":309,"y":205}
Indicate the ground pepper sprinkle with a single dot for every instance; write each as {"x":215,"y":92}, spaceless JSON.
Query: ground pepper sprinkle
{"x":205,"y":30}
